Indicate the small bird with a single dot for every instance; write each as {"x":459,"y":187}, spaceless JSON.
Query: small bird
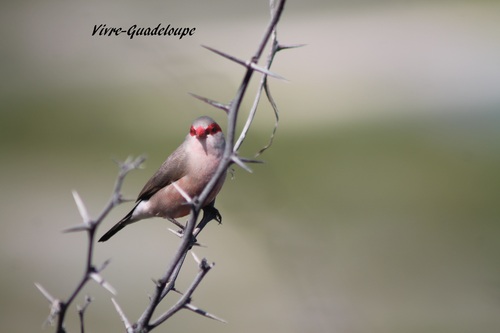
{"x":191,"y":166}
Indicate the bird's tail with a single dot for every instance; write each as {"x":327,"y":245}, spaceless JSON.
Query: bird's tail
{"x":117,"y":227}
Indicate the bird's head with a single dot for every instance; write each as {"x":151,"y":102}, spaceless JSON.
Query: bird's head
{"x":207,"y":134}
{"x":204,"y":127}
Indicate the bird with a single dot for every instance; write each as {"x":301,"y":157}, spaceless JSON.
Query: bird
{"x":190,"y":166}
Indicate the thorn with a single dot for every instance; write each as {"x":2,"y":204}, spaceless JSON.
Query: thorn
{"x":266,"y":72}
{"x":227,"y":56}
{"x":123,"y":318}
{"x":251,"y":160}
{"x":223,"y":107}
{"x":290,"y":46}
{"x":183,"y":193}
{"x":177,"y":291}
{"x":180,"y":234}
{"x":238,"y":161}
{"x":103,"y":266}
{"x":81,"y":208}
{"x":100,"y":280}
{"x":203,"y":312}
{"x":198,"y":261}
{"x":45,"y":293}
{"x":80,"y":227}
{"x":55,"y":304}
{"x":249,"y":64}
{"x":177,"y":233}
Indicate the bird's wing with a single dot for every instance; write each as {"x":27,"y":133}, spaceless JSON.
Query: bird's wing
{"x":170,"y":171}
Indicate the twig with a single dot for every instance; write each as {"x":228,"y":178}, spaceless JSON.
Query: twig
{"x":204,"y":267}
{"x":59,"y":308}
{"x":81,"y":312}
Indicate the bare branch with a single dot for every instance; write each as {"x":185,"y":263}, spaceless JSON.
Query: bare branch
{"x":170,"y":274}
{"x":186,"y":298}
{"x":276,"y":47}
{"x":81,"y":312}
{"x":60,"y":307}
{"x":276,"y":117}
{"x":170,"y":286}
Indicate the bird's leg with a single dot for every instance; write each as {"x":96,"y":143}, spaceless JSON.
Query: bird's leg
{"x":177,"y":223}
{"x":209,"y":213}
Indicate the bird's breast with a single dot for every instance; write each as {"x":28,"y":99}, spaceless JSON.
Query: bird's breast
{"x":169,"y":202}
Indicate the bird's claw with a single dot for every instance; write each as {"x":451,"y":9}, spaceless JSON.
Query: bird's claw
{"x":211,"y":213}
{"x":218,"y":217}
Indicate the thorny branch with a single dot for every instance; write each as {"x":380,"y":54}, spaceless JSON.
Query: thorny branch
{"x":230,"y":156}
{"x":190,"y":231}
{"x":59,"y":307}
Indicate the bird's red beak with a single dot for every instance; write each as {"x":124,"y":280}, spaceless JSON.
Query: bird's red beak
{"x":200,"y":132}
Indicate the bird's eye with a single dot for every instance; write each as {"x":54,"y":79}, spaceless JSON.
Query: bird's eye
{"x":214,"y":128}
{"x":192,"y":131}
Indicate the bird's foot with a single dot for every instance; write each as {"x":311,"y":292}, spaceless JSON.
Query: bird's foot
{"x":211,"y":213}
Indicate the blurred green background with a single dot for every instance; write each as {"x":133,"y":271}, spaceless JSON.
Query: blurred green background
{"x":377,"y":209}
